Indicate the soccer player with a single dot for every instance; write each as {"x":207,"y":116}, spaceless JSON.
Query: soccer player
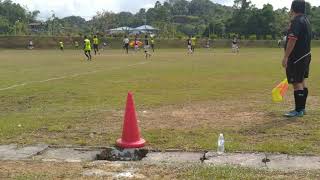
{"x":76,"y":44}
{"x":61,"y":45}
{"x":95,"y":45}
{"x":279,"y":43}
{"x":297,"y":56}
{"x":136,"y":44}
{"x":284,"y":39}
{"x":235,"y":46}
{"x":126,"y":44}
{"x":147,"y":46}
{"x":87,"y":48}
{"x":193,"y":43}
{"x":104,"y":46}
{"x":189,"y":45}
{"x":152,"y":44}
{"x":30,"y":45}
{"x":208,"y":43}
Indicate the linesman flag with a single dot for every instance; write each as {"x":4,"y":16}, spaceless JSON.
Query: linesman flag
{"x":279,"y":91}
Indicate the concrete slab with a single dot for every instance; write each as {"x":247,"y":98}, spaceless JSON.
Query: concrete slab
{"x":13,"y":152}
{"x":112,"y":164}
{"x":76,"y":155}
{"x":68,"y":155}
{"x":128,"y":174}
{"x":4,"y":148}
{"x":97,"y":173}
{"x":286,"y":162}
{"x":180,"y":157}
{"x":246,"y":160}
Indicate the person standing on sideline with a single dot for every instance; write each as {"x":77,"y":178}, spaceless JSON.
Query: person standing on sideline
{"x":95,"y":45}
{"x":87,"y":48}
{"x":126,"y":41}
{"x":297,"y":56}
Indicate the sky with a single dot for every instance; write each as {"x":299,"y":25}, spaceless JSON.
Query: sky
{"x":88,"y":8}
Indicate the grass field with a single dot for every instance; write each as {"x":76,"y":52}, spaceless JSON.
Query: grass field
{"x":182,"y":101}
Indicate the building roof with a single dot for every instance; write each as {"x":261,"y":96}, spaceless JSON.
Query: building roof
{"x":121,"y":29}
{"x":37,"y":24}
{"x":146,"y":28}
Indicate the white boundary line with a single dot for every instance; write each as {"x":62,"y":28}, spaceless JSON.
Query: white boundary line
{"x":68,"y":76}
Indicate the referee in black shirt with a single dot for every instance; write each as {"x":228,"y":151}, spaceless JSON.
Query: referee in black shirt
{"x":297,"y":56}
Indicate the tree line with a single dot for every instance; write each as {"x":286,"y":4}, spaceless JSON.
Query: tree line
{"x":174,"y":18}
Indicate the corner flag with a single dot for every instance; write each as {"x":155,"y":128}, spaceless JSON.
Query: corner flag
{"x":279,"y":91}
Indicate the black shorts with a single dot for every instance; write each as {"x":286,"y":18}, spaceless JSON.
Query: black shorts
{"x":298,"y":71}
{"x":87,"y":51}
{"x":95,"y":46}
{"x":126,"y":46}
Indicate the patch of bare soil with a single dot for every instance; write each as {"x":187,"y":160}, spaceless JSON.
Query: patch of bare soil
{"x":277,"y":126}
{"x":90,"y":170}
{"x":38,"y":170}
{"x":233,"y":115}
{"x":209,"y":114}
{"x":94,"y":126}
{"x":99,"y":126}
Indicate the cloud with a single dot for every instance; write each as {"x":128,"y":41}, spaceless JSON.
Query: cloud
{"x":88,"y":8}
{"x":280,"y":4}
{"x":276,"y":3}
{"x":84,"y":8}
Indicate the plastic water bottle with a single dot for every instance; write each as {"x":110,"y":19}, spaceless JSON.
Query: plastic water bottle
{"x":220,"y":144}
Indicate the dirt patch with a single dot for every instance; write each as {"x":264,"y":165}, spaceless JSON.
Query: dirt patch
{"x":95,"y":127}
{"x":313,"y":102}
{"x":180,"y":117}
{"x":254,"y":121}
{"x":92,"y":170}
{"x":40,"y":170}
{"x":217,"y":114}
{"x":211,"y":114}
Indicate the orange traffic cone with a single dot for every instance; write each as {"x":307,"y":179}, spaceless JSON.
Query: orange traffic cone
{"x":131,"y":133}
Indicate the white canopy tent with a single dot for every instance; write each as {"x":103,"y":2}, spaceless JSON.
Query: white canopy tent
{"x":137,"y":30}
{"x":120,"y":30}
{"x":146,"y":28}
